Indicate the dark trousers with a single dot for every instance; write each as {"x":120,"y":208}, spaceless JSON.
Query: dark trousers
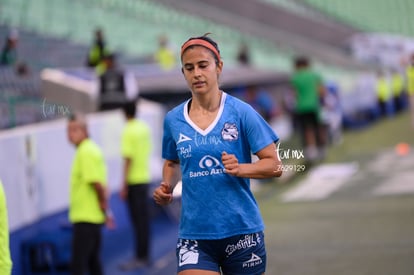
{"x":139,"y":213}
{"x":308,"y":121}
{"x":382,"y":107}
{"x":86,"y":244}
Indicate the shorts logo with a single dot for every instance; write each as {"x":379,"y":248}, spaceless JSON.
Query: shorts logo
{"x":247,"y":242}
{"x":230,"y":132}
{"x":254,"y":261}
{"x":188,"y":253}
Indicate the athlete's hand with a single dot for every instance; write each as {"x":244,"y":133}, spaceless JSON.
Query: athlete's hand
{"x":230,"y":163}
{"x":163,"y":194}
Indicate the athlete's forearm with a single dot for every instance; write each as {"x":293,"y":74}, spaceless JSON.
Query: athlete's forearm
{"x":171,"y":173}
{"x":268,"y":165}
{"x":261,"y":169}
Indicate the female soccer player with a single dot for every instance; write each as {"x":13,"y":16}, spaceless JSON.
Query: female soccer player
{"x":209,"y":139}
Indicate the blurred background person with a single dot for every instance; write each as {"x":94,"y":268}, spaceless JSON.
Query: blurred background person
{"x":115,"y":85}
{"x":5,"y":260}
{"x":398,"y":90}
{"x":309,"y":89}
{"x":22,"y":69}
{"x":165,"y":55}
{"x":98,"y":49}
{"x":136,"y":150}
{"x":410,"y":87}
{"x":243,"y":55}
{"x":9,"y":52}
{"x":384,"y":93}
{"x":331,"y":115}
{"x":88,"y":204}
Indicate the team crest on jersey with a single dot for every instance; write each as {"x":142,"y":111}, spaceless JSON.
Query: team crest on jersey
{"x":230,"y":132}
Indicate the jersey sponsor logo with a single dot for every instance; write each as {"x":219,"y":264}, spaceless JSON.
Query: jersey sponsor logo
{"x":254,"y":261}
{"x":183,"y":138}
{"x":210,"y":166}
{"x":208,"y":161}
{"x":188,"y":252}
{"x":185,"y":152}
{"x":247,"y":242}
{"x":200,"y":140}
{"x":230,"y":132}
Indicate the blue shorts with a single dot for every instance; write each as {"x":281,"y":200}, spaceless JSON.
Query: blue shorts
{"x":236,"y":255}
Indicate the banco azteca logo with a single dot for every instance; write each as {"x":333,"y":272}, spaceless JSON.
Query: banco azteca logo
{"x":209,"y":166}
{"x":208,"y":162}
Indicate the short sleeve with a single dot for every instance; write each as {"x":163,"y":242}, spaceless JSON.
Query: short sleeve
{"x":258,"y":131}
{"x":169,"y":147}
{"x":92,"y":166}
{"x":127,"y":146}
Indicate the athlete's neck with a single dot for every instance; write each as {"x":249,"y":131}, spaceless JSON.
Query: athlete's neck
{"x":206,"y":103}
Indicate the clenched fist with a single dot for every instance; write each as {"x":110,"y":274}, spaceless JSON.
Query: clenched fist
{"x":163,"y":194}
{"x":230,"y":163}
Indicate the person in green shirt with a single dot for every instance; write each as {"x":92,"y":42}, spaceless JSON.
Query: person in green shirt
{"x":88,"y":205}
{"x":309,"y":90}
{"x":5,"y":260}
{"x":136,"y":149}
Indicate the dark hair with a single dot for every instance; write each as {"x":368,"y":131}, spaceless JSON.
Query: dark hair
{"x":301,"y":61}
{"x":129,"y":109}
{"x":209,"y":40}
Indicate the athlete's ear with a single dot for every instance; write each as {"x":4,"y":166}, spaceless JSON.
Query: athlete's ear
{"x":182,"y":70}
{"x":220,"y":67}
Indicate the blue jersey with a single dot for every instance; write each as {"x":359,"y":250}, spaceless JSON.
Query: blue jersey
{"x":216,"y":205}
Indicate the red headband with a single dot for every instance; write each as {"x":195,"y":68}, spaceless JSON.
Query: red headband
{"x":199,"y":42}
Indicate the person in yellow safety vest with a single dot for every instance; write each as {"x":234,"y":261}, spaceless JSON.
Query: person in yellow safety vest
{"x":98,"y":51}
{"x":410,"y":87}
{"x":397,"y":84}
{"x":5,"y":259}
{"x":165,"y":56}
{"x":383,"y":90}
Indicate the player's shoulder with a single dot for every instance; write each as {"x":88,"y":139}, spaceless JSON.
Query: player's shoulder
{"x":237,"y":104}
{"x":176,"y":112}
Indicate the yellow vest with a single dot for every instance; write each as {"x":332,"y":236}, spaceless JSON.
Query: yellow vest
{"x":410,"y":80}
{"x":5,"y":259}
{"x":383,"y":89}
{"x":165,"y":58}
{"x":397,"y":82}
